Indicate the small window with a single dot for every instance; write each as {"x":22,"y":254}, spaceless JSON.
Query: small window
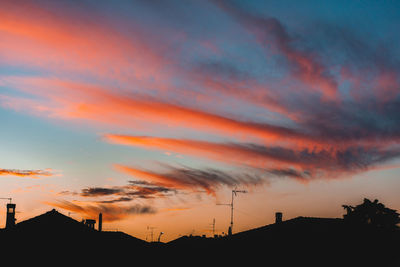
{"x":10,"y":210}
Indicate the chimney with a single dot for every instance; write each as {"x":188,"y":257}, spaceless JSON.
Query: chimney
{"x":278,"y":217}
{"x":230,"y":230}
{"x":100,"y":222}
{"x":10,"y":221}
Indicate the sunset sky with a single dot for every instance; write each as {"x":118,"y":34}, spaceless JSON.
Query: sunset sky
{"x":151,"y":112}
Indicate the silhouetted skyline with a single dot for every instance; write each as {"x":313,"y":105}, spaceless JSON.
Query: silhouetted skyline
{"x":359,"y":238}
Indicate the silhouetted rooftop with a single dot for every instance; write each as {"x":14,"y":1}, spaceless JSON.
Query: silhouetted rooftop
{"x":56,"y":232}
{"x":302,"y":240}
{"x":298,"y":241}
{"x":51,"y":221}
{"x":295,"y":223}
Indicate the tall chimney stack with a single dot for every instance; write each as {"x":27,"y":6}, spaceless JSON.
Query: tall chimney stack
{"x":100,"y":222}
{"x":278,"y":217}
{"x":10,"y":221}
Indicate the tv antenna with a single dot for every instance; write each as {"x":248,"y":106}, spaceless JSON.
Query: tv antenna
{"x":151,"y":229}
{"x":213,"y":227}
{"x":234,"y":193}
{"x":8,"y":198}
{"x":159,"y":237}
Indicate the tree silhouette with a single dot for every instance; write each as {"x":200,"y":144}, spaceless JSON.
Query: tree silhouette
{"x":374,"y":214}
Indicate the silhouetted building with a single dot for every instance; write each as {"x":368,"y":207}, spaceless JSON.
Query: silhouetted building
{"x":278,"y":217}
{"x":90,"y":223}
{"x":10,"y":221}
{"x":100,"y":222}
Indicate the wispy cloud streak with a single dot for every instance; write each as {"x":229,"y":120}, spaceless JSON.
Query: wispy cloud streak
{"x":111,"y":212}
{"x":270,"y":32}
{"x":82,"y":101}
{"x":135,"y":189}
{"x":314,"y":163}
{"x":191,"y":179}
{"x":27,"y":173}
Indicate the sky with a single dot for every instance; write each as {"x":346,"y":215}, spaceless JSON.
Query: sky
{"x":152,"y":112}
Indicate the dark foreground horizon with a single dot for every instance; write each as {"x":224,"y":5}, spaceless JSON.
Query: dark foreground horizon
{"x":302,"y":241}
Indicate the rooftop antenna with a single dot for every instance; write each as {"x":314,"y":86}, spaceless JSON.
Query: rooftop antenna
{"x":160,"y":236}
{"x":8,"y":198}
{"x":234,"y":192}
{"x":151,"y":229}
{"x":213,"y":227}
{"x":213,"y":224}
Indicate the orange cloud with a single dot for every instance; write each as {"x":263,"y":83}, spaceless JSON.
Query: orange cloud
{"x":195,"y":180}
{"x":271,"y":33}
{"x":274,"y":160}
{"x":46,"y":38}
{"x":153,"y":177}
{"x":70,"y":100}
{"x":309,"y":71}
{"x":27,"y":173}
{"x":111,"y":212}
{"x":384,"y":84}
{"x":229,"y":153}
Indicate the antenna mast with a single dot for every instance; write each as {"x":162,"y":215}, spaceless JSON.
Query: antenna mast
{"x":213,"y":224}
{"x":159,"y":237}
{"x":151,"y":229}
{"x":213,"y":227}
{"x":8,"y":198}
{"x":234,"y":192}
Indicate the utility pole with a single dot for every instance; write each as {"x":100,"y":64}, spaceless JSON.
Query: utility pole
{"x":234,"y":192}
